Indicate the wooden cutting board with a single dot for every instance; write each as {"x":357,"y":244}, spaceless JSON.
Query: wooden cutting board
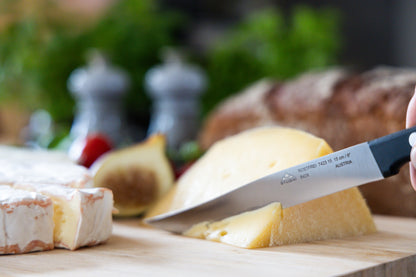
{"x":134,"y":250}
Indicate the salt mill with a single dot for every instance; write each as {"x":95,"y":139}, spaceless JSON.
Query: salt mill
{"x":98,"y":89}
{"x":175,"y":88}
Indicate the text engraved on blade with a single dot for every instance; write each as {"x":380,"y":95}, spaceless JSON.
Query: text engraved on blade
{"x":304,"y":172}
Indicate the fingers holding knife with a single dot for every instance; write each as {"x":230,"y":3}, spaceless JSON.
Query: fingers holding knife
{"x":411,"y":121}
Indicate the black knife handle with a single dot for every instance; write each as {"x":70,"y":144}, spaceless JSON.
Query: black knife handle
{"x":392,"y":151}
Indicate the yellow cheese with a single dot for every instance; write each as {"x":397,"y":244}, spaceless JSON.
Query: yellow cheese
{"x":240,"y":159}
{"x":250,"y":229}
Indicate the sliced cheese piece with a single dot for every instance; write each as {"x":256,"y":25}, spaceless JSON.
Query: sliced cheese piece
{"x":272,"y":225}
{"x":258,"y":225}
{"x":82,"y":217}
{"x":243,"y":158}
{"x":26,"y":222}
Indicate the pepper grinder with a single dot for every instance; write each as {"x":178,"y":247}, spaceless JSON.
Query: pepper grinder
{"x":98,"y":89}
{"x":175,"y":88}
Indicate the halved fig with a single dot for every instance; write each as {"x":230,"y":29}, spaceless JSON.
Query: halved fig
{"x":138,"y":175}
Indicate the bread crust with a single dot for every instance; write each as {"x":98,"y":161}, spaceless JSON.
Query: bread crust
{"x":341,"y":106}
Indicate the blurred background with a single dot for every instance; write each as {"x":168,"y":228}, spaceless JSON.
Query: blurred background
{"x":223,"y":45}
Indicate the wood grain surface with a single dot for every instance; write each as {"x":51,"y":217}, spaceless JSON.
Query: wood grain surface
{"x":135,"y":250}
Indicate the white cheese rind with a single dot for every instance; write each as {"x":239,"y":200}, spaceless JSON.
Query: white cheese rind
{"x":26,"y":221}
{"x":13,"y":153}
{"x":83,"y":216}
{"x":77,"y":217}
{"x":95,"y":223}
{"x":44,"y":172}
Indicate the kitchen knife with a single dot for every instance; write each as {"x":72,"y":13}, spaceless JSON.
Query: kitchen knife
{"x":363,"y":163}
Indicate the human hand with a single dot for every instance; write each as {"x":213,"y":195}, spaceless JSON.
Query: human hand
{"x":410,"y":122}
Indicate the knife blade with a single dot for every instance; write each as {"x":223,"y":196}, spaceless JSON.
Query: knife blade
{"x":353,"y":166}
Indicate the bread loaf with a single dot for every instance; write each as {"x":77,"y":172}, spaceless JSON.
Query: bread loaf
{"x":343,"y":107}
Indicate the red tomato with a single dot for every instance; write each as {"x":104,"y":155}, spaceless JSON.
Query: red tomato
{"x":95,"y":145}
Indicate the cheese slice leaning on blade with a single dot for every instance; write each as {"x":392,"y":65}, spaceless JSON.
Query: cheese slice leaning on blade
{"x":243,"y":158}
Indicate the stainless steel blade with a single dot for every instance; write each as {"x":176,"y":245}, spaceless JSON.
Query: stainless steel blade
{"x":337,"y":171}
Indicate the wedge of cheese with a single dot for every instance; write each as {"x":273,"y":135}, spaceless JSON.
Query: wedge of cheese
{"x":243,"y":158}
{"x":26,"y":221}
{"x":79,"y":216}
{"x":82,"y":217}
